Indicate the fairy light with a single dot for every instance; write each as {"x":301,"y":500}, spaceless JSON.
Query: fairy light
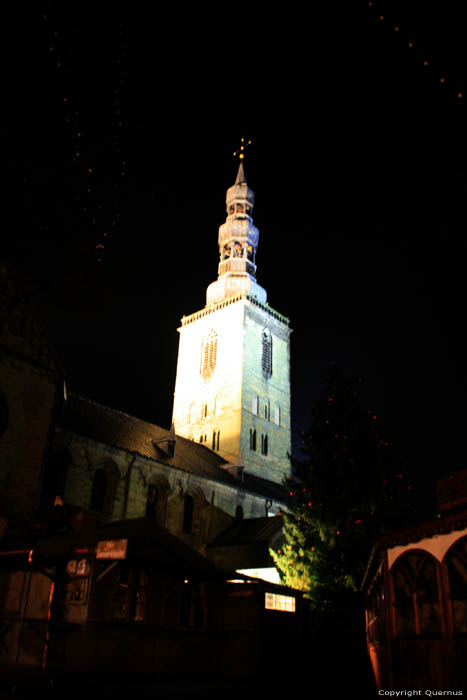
{"x":426,"y":62}
{"x":97,"y":209}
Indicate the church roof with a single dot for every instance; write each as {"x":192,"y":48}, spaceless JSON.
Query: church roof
{"x":249,"y":531}
{"x":107,"y":425}
{"x":145,"y":538}
{"x":268,"y":488}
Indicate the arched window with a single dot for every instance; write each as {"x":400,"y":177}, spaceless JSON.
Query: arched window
{"x":209,"y":355}
{"x":239,"y":512}
{"x":215,"y":439}
{"x":237,"y":250}
{"x":151,"y":500}
{"x":55,"y":474}
{"x":277,"y":415}
{"x":266,"y":352}
{"x":99,"y":490}
{"x":156,"y":499}
{"x":103,"y":488}
{"x":252,"y":439}
{"x":264,"y":444}
{"x":456,"y":563}
{"x":267,"y":409}
{"x":255,"y":405}
{"x":188,"y":511}
{"x":191,"y":412}
{"x":416,"y":594}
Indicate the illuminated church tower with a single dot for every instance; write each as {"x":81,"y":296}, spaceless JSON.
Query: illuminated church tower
{"x":232,"y":389}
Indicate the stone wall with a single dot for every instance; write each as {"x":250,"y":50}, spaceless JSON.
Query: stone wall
{"x":215,"y":502}
{"x":266,"y":397}
{"x":30,"y":396}
{"x":217,"y":407}
{"x":31,"y":389}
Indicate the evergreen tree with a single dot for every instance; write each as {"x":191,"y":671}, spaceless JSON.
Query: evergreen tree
{"x":344,"y":492}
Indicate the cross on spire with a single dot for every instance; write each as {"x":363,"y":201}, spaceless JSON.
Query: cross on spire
{"x":241,"y":151}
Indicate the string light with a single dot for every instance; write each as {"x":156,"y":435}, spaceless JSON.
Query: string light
{"x":426,"y":62}
{"x":97,"y":211}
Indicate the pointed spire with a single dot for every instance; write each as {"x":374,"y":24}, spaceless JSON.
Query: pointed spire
{"x":238,"y":242}
{"x":241,"y":174}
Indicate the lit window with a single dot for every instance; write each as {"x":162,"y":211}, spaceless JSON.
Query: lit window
{"x":76,"y":581}
{"x":254,"y":405}
{"x":276,"y":601}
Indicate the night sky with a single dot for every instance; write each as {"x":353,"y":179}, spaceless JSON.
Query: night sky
{"x":121,"y":127}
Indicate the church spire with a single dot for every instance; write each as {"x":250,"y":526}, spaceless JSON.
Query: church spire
{"x":241,"y":174}
{"x":238,"y":242}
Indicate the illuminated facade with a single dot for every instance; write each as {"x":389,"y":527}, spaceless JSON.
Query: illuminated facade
{"x":232,"y":388}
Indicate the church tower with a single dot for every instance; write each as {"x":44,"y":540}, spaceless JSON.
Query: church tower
{"x":232,"y":388}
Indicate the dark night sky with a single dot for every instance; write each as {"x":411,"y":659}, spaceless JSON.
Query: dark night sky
{"x":358,"y":165}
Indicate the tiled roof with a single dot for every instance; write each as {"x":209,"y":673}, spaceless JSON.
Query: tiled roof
{"x":146,"y":530}
{"x":145,"y":539}
{"x":265,"y":487}
{"x":439,"y":526}
{"x":248,"y":531}
{"x":90,"y":419}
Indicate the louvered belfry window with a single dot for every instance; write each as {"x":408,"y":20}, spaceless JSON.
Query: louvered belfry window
{"x":209,"y":356}
{"x":266,"y":354}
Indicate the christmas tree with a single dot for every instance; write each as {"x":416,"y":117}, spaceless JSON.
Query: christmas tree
{"x":345,"y":490}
